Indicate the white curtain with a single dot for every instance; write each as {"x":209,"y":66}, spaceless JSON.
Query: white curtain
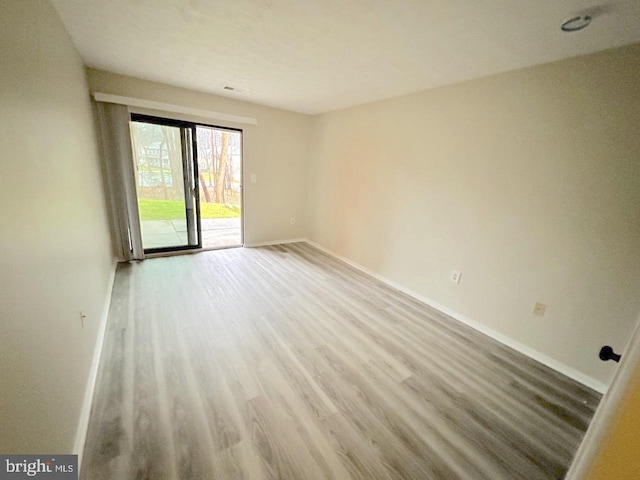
{"x":113,"y":121}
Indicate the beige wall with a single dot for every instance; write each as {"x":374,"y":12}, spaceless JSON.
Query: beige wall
{"x":526,"y":182}
{"x":55,"y":251}
{"x":276,"y":151}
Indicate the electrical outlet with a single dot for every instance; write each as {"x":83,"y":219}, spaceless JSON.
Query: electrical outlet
{"x":455,"y":276}
{"x":293,"y":220}
{"x":83,"y":317}
{"x":254,"y":178}
{"x":539,"y":309}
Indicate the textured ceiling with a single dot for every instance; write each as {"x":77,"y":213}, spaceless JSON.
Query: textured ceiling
{"x":314,"y":56}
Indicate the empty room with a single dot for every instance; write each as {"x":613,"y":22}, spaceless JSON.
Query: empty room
{"x":316,"y":239}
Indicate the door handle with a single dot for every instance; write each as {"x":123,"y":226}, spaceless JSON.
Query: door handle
{"x":607,"y":353}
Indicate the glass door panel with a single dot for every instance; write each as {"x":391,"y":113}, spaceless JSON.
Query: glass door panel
{"x":164,"y":171}
{"x":220,"y":183}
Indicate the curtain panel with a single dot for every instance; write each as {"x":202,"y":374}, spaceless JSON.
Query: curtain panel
{"x":117,"y":157}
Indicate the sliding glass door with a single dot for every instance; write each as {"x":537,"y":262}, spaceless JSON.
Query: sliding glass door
{"x":165,"y":167}
{"x":220,"y":183}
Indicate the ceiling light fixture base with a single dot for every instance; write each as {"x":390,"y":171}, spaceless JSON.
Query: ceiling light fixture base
{"x":575,"y":24}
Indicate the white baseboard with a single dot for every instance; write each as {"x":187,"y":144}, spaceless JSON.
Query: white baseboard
{"x":500,"y":337}
{"x":85,"y":412}
{"x":275,"y":242}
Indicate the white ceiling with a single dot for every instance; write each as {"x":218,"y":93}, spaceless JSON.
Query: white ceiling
{"x":314,"y":56}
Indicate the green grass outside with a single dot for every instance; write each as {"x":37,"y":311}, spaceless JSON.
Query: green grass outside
{"x":173,"y":209}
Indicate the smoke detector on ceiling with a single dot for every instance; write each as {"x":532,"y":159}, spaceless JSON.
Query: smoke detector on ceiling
{"x":575,"y":24}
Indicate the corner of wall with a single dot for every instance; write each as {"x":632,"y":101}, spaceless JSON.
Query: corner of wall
{"x":504,"y":339}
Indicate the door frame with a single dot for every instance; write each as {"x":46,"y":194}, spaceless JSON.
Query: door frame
{"x":242,"y":199}
{"x":592,"y":443}
{"x":169,"y":122}
{"x":172,"y":122}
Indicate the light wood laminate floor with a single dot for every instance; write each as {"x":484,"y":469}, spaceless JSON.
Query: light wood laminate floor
{"x":282,"y":362}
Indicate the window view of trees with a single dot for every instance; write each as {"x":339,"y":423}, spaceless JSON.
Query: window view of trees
{"x":158,"y":166}
{"x":219,"y":166}
{"x":157,"y":152}
{"x":158,"y":161}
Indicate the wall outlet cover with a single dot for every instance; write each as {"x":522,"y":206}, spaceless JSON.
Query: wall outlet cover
{"x":539,"y":309}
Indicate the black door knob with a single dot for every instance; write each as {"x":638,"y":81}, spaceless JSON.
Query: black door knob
{"x":607,"y":353}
